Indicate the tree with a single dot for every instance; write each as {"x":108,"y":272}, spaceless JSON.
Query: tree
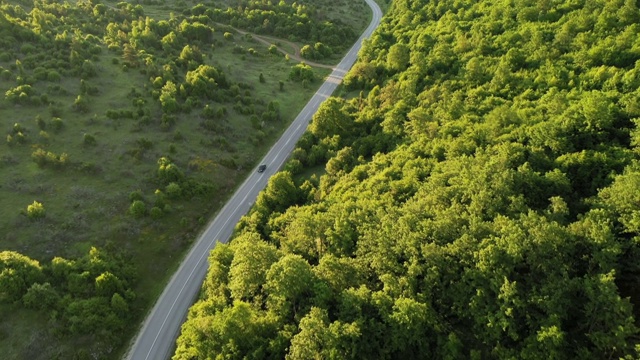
{"x":107,"y":284}
{"x":331,"y":119}
{"x":398,"y":57}
{"x":130,"y":56}
{"x":168,"y":171}
{"x":312,"y":340}
{"x":237,"y":331}
{"x":168,"y":98}
{"x":173,"y":190}
{"x":280,"y":192}
{"x":247,"y":273}
{"x":308,"y":52}
{"x":289,"y":284}
{"x":301,"y":72}
{"x":17,"y":274}
{"x":40,"y":296}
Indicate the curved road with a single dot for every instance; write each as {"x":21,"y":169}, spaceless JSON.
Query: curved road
{"x":156,"y":339}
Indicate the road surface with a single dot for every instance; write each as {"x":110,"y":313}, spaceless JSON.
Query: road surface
{"x":156,"y":339}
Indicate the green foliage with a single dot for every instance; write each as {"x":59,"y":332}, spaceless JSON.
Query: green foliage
{"x":88,"y":139}
{"x":294,"y":21}
{"x":247,"y":271}
{"x":173,"y":190}
{"x":169,"y":172}
{"x":204,"y":81}
{"x":40,"y":296}
{"x":35,"y":211}
{"x":138,"y":209}
{"x":49,"y":159}
{"x":21,"y":94}
{"x":57,"y":124}
{"x":480,"y":201}
{"x":398,"y":57}
{"x":17,"y":274}
{"x":301,"y":72}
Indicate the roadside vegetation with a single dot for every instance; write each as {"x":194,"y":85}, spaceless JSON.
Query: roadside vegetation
{"x":125,"y":127}
{"x":479,"y":199}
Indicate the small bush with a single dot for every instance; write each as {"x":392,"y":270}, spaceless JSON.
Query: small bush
{"x":40,"y":122}
{"x":35,"y":210}
{"x":53,"y":76}
{"x":89,"y":140}
{"x":156,"y":212}
{"x":173,"y":190}
{"x":137,"y":209}
{"x":57,"y":124}
{"x":136,"y":195}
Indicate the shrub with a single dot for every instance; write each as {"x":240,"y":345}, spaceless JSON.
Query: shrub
{"x":40,"y":296}
{"x":156,"y":212}
{"x":53,"y":76}
{"x":20,"y":138}
{"x":137,"y":209}
{"x":47,"y":158}
{"x":301,"y":72}
{"x":89,"y":139}
{"x":81,"y":104}
{"x":6,"y":74}
{"x":57,"y":124}
{"x":44,"y":136}
{"x":136,"y":195}
{"x":19,"y":94}
{"x":173,"y":190}
{"x":35,"y":210}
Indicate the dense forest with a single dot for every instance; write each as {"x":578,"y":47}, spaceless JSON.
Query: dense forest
{"x":479,"y":197}
{"x":127,"y":125}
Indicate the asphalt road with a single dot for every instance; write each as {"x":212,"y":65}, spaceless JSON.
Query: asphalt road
{"x":156,"y":340}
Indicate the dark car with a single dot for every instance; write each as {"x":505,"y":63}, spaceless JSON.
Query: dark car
{"x":262,"y":168}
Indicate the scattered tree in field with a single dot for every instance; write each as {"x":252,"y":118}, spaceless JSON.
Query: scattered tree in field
{"x":168,"y":98}
{"x":301,"y":72}
{"x":138,"y":209}
{"x":81,"y":104}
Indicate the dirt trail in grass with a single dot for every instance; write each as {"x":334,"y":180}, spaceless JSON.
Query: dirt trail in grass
{"x":269,"y":40}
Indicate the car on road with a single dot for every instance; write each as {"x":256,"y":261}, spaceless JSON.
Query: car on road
{"x":262,"y":168}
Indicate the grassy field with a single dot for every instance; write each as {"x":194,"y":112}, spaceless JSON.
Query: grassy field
{"x":87,"y":201}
